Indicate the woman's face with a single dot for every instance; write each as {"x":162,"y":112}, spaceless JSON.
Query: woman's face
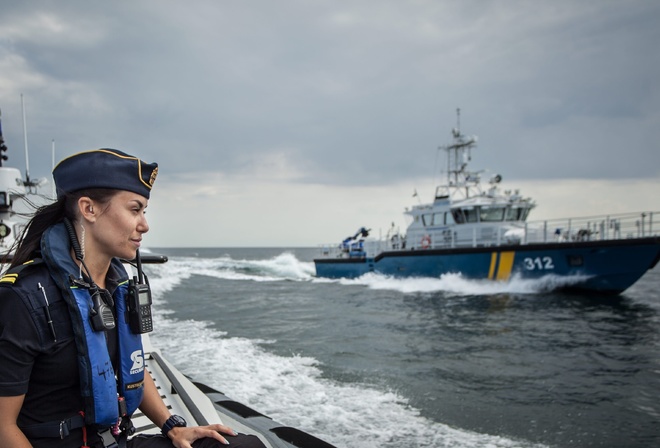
{"x":120,"y":225}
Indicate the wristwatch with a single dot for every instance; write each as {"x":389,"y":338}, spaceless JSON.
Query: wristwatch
{"x":173,"y":422}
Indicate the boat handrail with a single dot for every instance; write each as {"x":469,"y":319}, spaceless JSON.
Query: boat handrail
{"x":621,"y":226}
{"x":199,"y":417}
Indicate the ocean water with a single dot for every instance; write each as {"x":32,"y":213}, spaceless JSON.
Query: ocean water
{"x":383,"y":362}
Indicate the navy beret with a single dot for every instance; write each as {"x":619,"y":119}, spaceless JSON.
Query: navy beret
{"x":104,"y":168}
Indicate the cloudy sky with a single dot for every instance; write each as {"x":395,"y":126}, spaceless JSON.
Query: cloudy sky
{"x":293,"y":123}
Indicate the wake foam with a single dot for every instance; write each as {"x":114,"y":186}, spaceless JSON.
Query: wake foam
{"x":280,"y":268}
{"x":456,"y":284}
{"x":286,"y":267}
{"x":293,"y":389}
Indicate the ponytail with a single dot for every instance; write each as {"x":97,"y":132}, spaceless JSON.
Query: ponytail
{"x":28,"y":244}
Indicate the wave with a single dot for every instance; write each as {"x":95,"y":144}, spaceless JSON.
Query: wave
{"x":286,"y":267}
{"x":292,"y":389}
{"x":456,"y":284}
{"x":280,"y":268}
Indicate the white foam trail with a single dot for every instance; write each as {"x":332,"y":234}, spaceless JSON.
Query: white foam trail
{"x":282,"y":267}
{"x":292,"y":390}
{"x":456,"y":284}
{"x":287,"y":267}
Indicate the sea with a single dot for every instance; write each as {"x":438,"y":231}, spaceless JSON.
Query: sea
{"x":420,"y":362}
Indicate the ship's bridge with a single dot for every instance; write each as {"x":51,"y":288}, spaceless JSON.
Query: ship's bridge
{"x":491,"y":209}
{"x":490,"y":213}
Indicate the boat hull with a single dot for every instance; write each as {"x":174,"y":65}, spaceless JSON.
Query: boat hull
{"x":604,"y":266}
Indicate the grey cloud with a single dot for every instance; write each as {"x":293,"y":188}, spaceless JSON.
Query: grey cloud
{"x":355,"y":93}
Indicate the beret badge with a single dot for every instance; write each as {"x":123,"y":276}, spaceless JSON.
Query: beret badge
{"x":152,"y":178}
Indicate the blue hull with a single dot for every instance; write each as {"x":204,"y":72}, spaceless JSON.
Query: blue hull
{"x":603,"y":266}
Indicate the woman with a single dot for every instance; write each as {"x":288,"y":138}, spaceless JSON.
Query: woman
{"x":71,"y":371}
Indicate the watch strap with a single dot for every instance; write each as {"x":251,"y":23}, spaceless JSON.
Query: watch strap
{"x":175,"y":421}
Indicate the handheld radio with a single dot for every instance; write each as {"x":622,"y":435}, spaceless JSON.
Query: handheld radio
{"x":139,"y":301}
{"x":101,"y":313}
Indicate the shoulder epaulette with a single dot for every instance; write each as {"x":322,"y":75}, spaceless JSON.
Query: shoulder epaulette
{"x":12,"y":274}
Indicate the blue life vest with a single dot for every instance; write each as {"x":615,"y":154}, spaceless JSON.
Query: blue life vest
{"x":100,"y":385}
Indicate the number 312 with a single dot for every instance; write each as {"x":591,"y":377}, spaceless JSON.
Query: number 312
{"x":540,"y":263}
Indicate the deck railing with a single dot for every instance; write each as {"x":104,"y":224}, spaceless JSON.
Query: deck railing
{"x":609,"y":227}
{"x":590,"y":228}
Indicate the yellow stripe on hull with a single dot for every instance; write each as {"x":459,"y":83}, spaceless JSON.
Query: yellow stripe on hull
{"x":493,"y":263}
{"x":506,"y":263}
{"x":502,"y":263}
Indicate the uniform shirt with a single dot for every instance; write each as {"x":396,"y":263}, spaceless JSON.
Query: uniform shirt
{"x":32,"y":363}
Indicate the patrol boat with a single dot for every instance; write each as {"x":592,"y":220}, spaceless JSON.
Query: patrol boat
{"x":13,"y":187}
{"x":482,"y":232}
{"x":196,"y":402}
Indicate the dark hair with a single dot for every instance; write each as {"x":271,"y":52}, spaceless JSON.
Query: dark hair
{"x":27,"y":246}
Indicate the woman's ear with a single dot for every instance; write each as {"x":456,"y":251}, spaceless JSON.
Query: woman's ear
{"x":87,"y":209}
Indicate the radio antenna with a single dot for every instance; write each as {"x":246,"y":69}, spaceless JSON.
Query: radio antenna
{"x":27,"y":159}
{"x":138,"y":263}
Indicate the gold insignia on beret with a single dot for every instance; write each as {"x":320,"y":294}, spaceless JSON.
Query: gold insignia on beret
{"x":152,"y":179}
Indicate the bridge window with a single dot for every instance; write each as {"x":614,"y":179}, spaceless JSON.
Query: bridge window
{"x":470,"y":214}
{"x":517,"y":213}
{"x":458,"y":216}
{"x":513,"y":214}
{"x":492,"y":214}
{"x":427,"y":220}
{"x":439,"y":219}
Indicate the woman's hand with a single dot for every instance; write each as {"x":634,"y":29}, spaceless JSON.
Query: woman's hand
{"x":183,"y":437}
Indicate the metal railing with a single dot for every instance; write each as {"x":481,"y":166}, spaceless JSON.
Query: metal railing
{"x":590,"y":228}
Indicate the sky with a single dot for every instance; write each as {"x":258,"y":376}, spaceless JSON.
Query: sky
{"x":293,"y":123}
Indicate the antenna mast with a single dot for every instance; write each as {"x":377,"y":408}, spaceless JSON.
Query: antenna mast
{"x":27,"y":159}
{"x":53,"y":168}
{"x":458,"y":120}
{"x":3,"y":147}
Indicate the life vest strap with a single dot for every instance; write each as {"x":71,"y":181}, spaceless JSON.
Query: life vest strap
{"x":55,"y":429}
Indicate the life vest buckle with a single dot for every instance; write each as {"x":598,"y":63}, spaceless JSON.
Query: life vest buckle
{"x":127,"y":426}
{"x":108,"y":439}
